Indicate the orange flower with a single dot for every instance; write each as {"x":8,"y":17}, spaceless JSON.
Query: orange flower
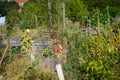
{"x":58,"y":51}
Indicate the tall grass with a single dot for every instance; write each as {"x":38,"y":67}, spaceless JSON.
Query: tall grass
{"x":93,"y":57}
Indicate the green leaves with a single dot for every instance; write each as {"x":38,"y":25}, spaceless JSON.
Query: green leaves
{"x":75,"y":9}
{"x":35,"y":13}
{"x":93,"y":57}
{"x":26,"y":42}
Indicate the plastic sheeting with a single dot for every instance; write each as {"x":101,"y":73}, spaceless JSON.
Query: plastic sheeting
{"x":2,"y":21}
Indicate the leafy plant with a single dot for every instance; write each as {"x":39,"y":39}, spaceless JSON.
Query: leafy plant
{"x":26,"y":41}
{"x":76,"y":10}
{"x":46,"y":53}
{"x":92,"y":57}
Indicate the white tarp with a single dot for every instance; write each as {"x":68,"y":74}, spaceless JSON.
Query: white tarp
{"x":2,"y":21}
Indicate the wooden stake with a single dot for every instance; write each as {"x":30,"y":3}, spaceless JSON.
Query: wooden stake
{"x":63,"y":12}
{"x":49,"y":14}
{"x":4,"y":54}
{"x":60,"y":72}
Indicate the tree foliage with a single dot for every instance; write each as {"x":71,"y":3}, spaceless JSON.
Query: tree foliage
{"x":3,"y":8}
{"x":75,"y":10}
{"x":35,"y":13}
{"x":102,"y":4}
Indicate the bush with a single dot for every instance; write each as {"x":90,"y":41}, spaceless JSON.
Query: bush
{"x":92,"y":57}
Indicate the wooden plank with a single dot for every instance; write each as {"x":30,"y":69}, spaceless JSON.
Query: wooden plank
{"x":60,"y":72}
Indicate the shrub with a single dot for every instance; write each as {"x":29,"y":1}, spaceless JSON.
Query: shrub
{"x":92,"y":57}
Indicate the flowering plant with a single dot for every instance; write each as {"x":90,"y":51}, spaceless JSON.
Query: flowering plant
{"x":26,"y":41}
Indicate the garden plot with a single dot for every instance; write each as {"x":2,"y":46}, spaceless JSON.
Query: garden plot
{"x":38,"y":46}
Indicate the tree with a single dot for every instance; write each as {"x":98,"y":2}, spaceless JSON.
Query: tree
{"x":3,"y":8}
{"x":12,"y":16}
{"x":29,"y":16}
{"x":75,"y":10}
{"x":102,"y":4}
{"x":36,"y":13}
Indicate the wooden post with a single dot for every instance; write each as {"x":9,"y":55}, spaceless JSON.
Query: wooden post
{"x":63,"y":13}
{"x":32,"y":56}
{"x":49,"y":14}
{"x":4,"y":53}
{"x":60,"y":72}
{"x":36,"y":21}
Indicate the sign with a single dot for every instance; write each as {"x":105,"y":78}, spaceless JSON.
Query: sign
{"x":40,"y":43}
{"x":36,"y":43}
{"x":93,"y":31}
{"x":15,"y":42}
